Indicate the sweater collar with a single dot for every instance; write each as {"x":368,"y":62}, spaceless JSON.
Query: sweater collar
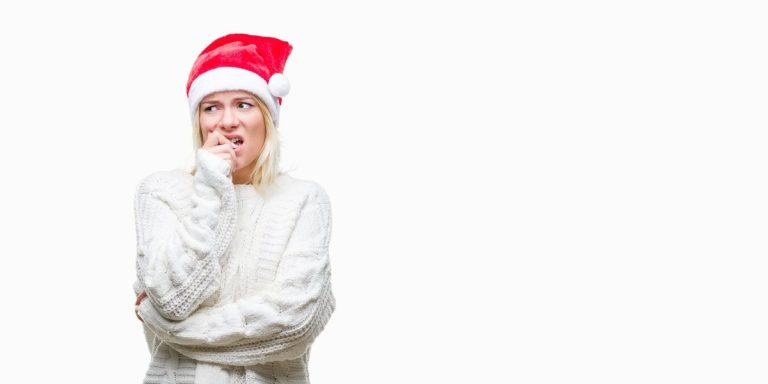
{"x":245,"y":191}
{"x":248,"y":191}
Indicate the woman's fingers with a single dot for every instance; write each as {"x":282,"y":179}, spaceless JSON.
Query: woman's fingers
{"x":220,"y":146}
{"x":214,"y":139}
{"x":139,"y":298}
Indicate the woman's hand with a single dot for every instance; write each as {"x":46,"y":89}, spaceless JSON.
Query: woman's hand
{"x":220,"y":146}
{"x":139,"y":298}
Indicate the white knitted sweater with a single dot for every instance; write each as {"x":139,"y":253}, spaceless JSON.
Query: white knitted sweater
{"x":238,"y":283}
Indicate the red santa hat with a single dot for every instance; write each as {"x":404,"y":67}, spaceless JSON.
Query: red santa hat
{"x":241,"y":62}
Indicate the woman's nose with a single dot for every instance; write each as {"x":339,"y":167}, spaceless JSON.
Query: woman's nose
{"x":228,"y":118}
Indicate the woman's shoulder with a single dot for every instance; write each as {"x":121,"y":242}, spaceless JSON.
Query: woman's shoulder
{"x":302,"y":189}
{"x":306,"y":203}
{"x":167,"y":180}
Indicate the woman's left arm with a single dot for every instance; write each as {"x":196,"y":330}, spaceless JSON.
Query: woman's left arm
{"x":281,"y":321}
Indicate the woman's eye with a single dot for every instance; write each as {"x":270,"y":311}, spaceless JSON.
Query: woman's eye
{"x":209,"y":108}
{"x":245,"y":105}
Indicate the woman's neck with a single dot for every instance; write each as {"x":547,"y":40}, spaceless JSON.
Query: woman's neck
{"x":243,"y":175}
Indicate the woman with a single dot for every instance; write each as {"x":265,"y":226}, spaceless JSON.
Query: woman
{"x":233,"y":270}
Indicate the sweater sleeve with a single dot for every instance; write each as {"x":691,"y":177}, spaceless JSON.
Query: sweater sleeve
{"x":183,"y":228}
{"x":278,"y":323}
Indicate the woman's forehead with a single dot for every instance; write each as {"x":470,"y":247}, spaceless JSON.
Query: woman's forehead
{"x":228,"y":95}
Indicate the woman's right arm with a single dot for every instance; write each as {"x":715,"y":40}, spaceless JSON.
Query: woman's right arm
{"x":179,"y":245}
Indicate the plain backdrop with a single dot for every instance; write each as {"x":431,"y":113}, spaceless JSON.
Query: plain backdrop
{"x":522,"y":192}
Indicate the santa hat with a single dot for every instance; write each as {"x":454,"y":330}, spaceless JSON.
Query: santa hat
{"x":241,"y":62}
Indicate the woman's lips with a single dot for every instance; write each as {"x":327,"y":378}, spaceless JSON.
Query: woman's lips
{"x":237,"y":147}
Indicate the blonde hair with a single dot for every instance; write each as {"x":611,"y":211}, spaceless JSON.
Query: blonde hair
{"x":267,"y":169}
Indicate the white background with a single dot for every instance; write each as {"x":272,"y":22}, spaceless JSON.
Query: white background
{"x":551,"y":192}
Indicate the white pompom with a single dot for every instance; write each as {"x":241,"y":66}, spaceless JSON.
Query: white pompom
{"x":279,"y":85}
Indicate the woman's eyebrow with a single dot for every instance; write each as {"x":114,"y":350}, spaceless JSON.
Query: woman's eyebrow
{"x":236,"y":99}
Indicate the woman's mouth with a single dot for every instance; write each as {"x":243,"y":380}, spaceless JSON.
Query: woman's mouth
{"x":236,"y":143}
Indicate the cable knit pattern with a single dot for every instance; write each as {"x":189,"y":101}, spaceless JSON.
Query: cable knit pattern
{"x":184,"y":225}
{"x":269,"y":294}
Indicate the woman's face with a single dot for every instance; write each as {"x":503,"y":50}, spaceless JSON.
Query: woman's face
{"x":235,"y":115}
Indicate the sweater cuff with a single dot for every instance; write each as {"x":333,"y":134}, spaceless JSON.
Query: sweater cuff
{"x":212,"y":170}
